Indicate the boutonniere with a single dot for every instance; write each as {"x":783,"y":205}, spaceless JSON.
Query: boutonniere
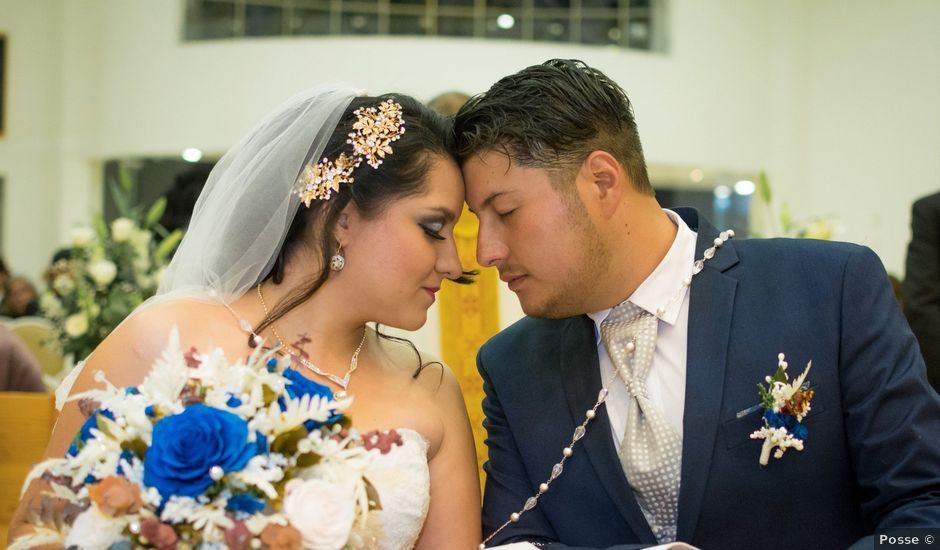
{"x":785,"y":406}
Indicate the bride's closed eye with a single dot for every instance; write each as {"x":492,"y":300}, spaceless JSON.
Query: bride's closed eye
{"x":433,"y":229}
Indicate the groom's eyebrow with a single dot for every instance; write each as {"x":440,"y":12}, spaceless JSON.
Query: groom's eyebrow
{"x":487,"y":201}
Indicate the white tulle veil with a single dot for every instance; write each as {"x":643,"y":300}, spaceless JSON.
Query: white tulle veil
{"x":244,"y":211}
{"x":247,"y":205}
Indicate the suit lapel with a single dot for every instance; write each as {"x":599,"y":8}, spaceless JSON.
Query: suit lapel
{"x":710,"y":312}
{"x":581,"y":378}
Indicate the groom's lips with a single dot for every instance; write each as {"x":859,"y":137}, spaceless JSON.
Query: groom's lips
{"x":513,"y":281}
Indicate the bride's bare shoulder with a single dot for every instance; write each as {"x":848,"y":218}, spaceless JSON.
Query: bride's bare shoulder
{"x":127,"y":354}
{"x":426,"y":372}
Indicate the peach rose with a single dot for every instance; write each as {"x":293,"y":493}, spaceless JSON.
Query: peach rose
{"x":114,"y":496}
{"x":281,"y":537}
{"x":159,"y":535}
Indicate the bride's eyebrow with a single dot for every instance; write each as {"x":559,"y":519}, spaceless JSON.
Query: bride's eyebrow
{"x":446,"y":213}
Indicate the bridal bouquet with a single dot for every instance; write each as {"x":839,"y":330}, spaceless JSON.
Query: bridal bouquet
{"x":110,"y":271}
{"x":206,"y":454}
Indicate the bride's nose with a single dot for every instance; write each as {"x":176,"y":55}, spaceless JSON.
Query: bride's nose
{"x":448,"y":261}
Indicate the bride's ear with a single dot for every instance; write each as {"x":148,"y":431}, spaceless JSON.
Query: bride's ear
{"x":344,"y":223}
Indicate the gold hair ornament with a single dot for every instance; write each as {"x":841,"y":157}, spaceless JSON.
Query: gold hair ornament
{"x":373,"y":133}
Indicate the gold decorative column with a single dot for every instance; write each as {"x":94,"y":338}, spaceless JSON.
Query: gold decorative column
{"x":469,"y":317}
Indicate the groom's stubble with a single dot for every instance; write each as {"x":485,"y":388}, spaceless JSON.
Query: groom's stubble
{"x":571,"y":291}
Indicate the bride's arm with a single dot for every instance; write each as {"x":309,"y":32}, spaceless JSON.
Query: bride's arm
{"x":453,"y":520}
{"x":125,"y":357}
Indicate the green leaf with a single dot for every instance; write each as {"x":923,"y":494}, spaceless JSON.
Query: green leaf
{"x":136,"y":446}
{"x":268,"y":395}
{"x":763,"y":187}
{"x":786,"y":219}
{"x":167,"y":245}
{"x":104,"y":425}
{"x":101,"y":228}
{"x":120,"y":199}
{"x":307,"y":460}
{"x":155,"y":212}
{"x":160,"y":231}
{"x":124,"y":177}
{"x":286,"y":443}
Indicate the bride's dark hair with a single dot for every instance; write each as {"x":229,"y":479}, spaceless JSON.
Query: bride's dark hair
{"x":402,"y":174}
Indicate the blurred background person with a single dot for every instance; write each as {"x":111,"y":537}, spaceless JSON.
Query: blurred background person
{"x":19,"y":371}
{"x":20,"y":299}
{"x":448,"y":103}
{"x":181,"y":198}
{"x":4,"y":279}
{"x":922,"y":282}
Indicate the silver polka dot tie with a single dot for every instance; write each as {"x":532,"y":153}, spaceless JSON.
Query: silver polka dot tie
{"x":651,"y":453}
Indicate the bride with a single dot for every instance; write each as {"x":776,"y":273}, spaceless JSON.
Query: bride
{"x":334,"y":211}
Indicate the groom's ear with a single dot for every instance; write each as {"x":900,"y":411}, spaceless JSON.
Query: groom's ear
{"x":605,"y":181}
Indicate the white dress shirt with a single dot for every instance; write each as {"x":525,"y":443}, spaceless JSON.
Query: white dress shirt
{"x":665,"y":384}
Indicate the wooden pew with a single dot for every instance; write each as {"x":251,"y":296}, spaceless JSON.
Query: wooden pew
{"x":26,"y":421}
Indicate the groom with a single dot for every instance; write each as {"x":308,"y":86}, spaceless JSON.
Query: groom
{"x":679,"y":324}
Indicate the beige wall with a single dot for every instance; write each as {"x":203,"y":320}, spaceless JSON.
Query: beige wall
{"x":838,"y":100}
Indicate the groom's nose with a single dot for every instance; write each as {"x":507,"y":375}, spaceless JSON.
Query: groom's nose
{"x":491,"y":248}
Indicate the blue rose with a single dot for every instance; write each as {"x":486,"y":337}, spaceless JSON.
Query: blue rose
{"x":300,"y":386}
{"x":187,"y":445}
{"x":84,"y":434}
{"x":778,"y":420}
{"x":261,"y":443}
{"x":244,"y":503}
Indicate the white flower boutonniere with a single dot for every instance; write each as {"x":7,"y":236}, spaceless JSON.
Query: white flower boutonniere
{"x":785,"y":405}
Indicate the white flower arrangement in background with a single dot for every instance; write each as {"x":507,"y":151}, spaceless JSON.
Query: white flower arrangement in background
{"x":110,"y":271}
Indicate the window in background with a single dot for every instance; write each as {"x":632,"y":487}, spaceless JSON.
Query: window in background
{"x":635,"y":24}
{"x":178,"y":180}
{"x":723,"y":197}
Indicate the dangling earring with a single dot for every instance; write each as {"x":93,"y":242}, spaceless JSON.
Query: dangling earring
{"x":338,"y":262}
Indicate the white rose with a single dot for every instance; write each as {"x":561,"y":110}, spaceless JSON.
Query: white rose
{"x":76,"y":325}
{"x":323,"y":511}
{"x":63,"y":284}
{"x":122,"y":229}
{"x":82,"y":236}
{"x":50,"y":305}
{"x":102,"y":271}
{"x":93,"y":530}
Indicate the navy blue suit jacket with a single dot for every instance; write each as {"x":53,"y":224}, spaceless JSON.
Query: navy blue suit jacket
{"x":872,"y":456}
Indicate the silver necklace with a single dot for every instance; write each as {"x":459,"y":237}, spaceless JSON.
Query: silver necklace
{"x":343,"y":381}
{"x":591,"y":413}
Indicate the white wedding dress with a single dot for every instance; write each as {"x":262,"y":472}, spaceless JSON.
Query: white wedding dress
{"x":403,"y":482}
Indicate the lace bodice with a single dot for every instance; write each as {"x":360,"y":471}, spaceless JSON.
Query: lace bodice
{"x":403,"y":482}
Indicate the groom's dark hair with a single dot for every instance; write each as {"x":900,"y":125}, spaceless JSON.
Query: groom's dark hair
{"x":552,"y":116}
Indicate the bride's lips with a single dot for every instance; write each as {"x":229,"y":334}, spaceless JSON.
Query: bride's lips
{"x":431,"y":291}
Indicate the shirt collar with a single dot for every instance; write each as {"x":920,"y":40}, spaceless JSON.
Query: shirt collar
{"x":662,"y":285}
